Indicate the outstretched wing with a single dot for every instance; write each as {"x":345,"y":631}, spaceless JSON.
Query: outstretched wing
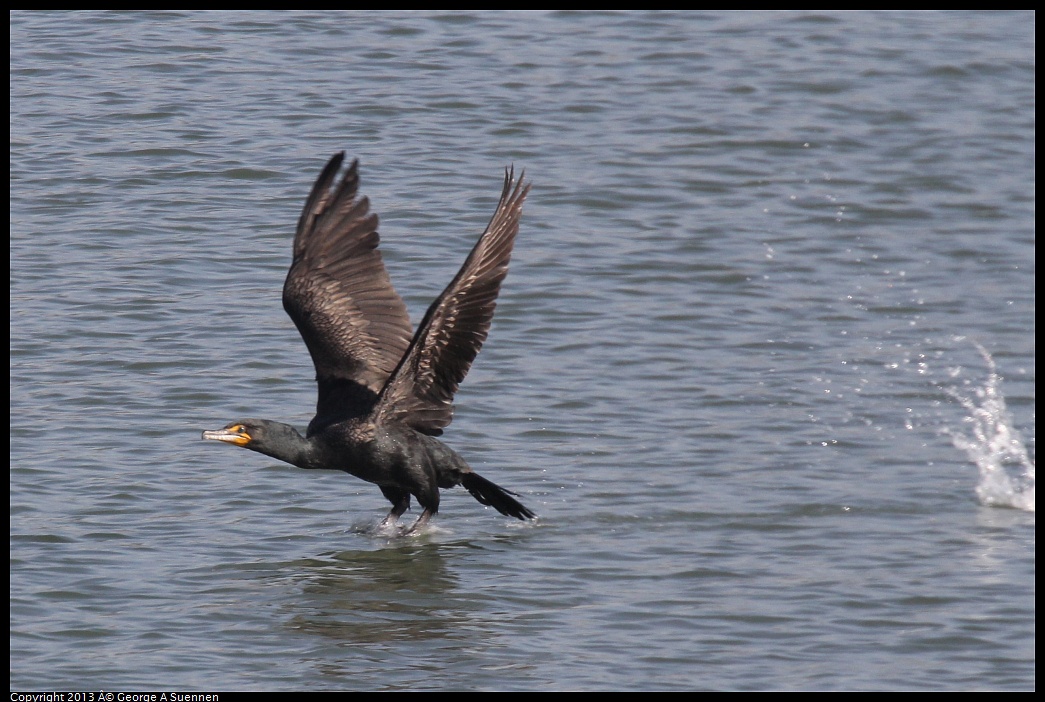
{"x":420,"y":391}
{"x":340,"y":297}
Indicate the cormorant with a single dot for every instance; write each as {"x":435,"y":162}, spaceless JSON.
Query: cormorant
{"x":384,"y":394}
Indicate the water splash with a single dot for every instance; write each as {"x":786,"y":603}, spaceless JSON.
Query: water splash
{"x":991,"y":441}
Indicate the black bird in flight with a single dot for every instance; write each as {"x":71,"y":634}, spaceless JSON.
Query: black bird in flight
{"x":384,"y":394}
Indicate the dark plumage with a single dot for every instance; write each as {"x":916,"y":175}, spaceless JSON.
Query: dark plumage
{"x":384,"y":394}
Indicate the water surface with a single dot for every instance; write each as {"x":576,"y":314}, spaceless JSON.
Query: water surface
{"x":726,"y":368}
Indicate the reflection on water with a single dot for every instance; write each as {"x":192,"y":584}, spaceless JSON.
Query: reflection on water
{"x":380,"y":596}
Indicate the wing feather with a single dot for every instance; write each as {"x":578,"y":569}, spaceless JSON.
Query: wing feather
{"x":420,"y":390}
{"x":340,"y":297}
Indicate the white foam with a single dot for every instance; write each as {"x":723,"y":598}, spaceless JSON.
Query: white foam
{"x":990,"y":440}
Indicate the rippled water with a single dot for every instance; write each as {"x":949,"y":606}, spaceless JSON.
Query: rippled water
{"x":726,"y":370}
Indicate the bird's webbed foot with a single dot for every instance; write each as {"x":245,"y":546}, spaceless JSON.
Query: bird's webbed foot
{"x":400,"y":504}
{"x":421,"y":521}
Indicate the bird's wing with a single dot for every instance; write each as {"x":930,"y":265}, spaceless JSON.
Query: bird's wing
{"x":421,"y":389}
{"x":340,"y":296}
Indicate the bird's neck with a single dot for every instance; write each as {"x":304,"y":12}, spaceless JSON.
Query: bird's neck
{"x":294,"y":449}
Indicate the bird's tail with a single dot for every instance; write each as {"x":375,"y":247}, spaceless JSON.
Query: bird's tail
{"x":496,"y":496}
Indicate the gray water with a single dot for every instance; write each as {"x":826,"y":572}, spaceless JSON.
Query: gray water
{"x":734,"y":366}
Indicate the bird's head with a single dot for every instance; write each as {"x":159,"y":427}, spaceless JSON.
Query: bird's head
{"x":271,"y":438}
{"x":240,"y":433}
